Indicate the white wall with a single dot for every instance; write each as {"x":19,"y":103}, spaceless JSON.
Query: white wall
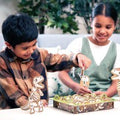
{"x":7,"y":7}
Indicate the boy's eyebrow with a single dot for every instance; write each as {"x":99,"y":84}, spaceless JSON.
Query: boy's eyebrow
{"x":29,"y":46}
{"x":35,"y":43}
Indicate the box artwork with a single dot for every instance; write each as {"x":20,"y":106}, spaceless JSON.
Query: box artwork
{"x":83,"y":103}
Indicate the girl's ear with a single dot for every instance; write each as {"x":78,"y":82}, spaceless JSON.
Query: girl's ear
{"x":115,"y":28}
{"x":117,"y":23}
{"x":8,"y":45}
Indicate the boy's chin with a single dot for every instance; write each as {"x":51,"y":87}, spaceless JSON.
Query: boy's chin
{"x":26,"y":58}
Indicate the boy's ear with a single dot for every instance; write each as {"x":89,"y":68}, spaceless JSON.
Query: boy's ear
{"x":8,"y":45}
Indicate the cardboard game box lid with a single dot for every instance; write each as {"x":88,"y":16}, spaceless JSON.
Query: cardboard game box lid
{"x":83,"y":103}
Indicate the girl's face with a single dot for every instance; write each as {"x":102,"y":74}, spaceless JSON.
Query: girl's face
{"x":23,"y":50}
{"x":102,"y":27}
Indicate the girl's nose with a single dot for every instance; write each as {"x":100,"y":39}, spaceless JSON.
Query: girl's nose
{"x":102,"y":30}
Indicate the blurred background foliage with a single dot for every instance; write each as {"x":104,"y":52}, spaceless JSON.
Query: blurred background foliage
{"x":62,"y":13}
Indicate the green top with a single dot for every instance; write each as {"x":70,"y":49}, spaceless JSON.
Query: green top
{"x":100,"y":75}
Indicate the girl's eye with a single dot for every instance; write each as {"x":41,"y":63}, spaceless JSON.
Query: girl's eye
{"x":108,"y":27}
{"x":97,"y":26}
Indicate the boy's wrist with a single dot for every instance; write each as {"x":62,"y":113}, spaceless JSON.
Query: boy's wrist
{"x":75,"y":59}
{"x":25,"y":107}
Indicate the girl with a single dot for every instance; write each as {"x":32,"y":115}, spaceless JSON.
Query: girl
{"x":103,"y":53}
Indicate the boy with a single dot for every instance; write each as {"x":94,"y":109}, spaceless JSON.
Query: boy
{"x":21,"y":61}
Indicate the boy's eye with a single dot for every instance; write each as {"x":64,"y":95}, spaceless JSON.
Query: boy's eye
{"x":25,"y":48}
{"x":34,"y":44}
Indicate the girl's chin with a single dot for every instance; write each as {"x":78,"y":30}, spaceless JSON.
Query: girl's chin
{"x":102,"y":39}
{"x":102,"y":42}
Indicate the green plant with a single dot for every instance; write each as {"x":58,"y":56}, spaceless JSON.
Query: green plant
{"x":83,"y":8}
{"x":61,"y":13}
{"x":52,"y":13}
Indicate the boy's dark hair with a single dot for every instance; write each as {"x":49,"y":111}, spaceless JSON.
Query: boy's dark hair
{"x":105,"y":9}
{"x":19,"y":28}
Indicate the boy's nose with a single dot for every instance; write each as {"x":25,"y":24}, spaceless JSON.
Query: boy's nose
{"x":31,"y":50}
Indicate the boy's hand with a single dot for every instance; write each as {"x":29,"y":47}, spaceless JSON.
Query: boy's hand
{"x":25,"y":107}
{"x":45,"y":103}
{"x":83,"y":61}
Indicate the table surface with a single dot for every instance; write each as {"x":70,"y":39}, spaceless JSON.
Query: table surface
{"x":51,"y":113}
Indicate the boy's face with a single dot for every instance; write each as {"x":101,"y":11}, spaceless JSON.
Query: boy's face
{"x":23,"y":50}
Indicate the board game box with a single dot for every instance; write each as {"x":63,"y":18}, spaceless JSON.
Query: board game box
{"x":83,"y":103}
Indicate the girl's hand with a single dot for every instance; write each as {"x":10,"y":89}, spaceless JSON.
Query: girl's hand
{"x":83,"y":90}
{"x":100,"y":92}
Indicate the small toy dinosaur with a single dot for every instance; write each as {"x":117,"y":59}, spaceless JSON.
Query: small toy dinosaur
{"x":36,"y":93}
{"x":84,"y":79}
{"x":116,"y":76}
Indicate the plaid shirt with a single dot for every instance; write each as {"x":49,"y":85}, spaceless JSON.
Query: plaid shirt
{"x":18,"y":89}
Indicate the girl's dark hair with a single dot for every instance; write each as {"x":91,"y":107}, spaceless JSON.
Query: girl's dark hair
{"x":105,"y":9}
{"x":19,"y":28}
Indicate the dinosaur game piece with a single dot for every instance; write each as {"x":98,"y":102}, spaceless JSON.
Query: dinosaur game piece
{"x":84,"y":79}
{"x":34,"y":100}
{"x":36,"y":93}
{"x":116,"y":76}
